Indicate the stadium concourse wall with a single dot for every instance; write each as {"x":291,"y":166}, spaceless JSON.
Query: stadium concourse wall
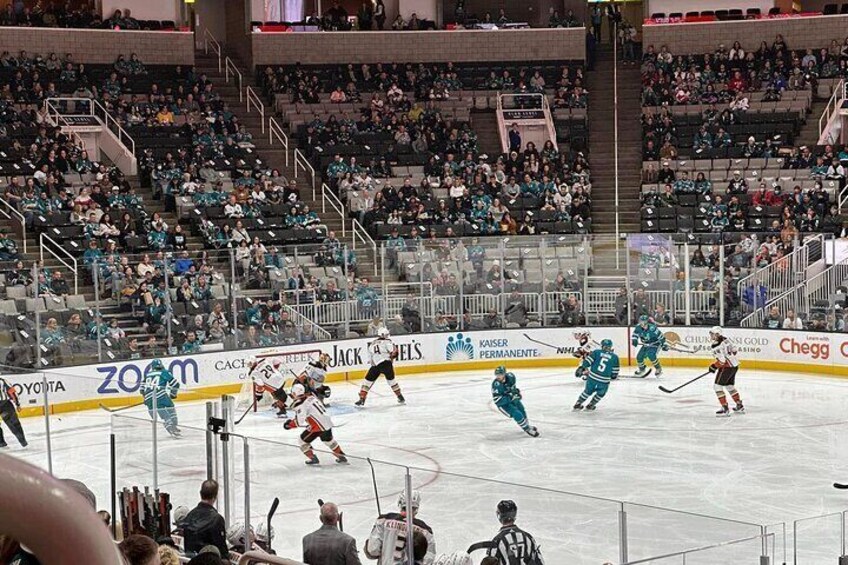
{"x":207,"y":375}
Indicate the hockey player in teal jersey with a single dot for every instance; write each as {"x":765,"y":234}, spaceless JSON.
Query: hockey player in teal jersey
{"x":158,"y":382}
{"x":507,"y":398}
{"x":649,"y":339}
{"x":602,"y":366}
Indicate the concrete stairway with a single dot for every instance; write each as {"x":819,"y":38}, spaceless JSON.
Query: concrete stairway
{"x":602,"y":144}
{"x":485,"y":124}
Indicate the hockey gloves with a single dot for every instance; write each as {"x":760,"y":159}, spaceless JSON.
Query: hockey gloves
{"x":289,"y":424}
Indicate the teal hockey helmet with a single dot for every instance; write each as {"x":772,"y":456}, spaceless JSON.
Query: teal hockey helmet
{"x":606,"y":345}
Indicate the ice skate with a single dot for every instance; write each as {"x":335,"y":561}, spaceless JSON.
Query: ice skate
{"x":401,"y":399}
{"x":532,"y":431}
{"x":312,"y":461}
{"x":342,"y":460}
{"x":577,"y":407}
{"x":723,"y":413}
{"x":739,"y":409}
{"x":359,"y":403}
{"x":590,"y":408}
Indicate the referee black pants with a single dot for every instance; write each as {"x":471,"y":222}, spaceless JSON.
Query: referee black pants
{"x":10,"y":417}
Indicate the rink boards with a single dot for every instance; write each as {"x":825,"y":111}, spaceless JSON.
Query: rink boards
{"x":208,"y":375}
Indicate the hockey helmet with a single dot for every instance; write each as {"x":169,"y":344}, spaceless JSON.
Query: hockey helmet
{"x":383,"y":332}
{"x":156,"y":365}
{"x":716,"y":331}
{"x":262,"y":535}
{"x":644,"y":319}
{"x":606,"y":345}
{"x":500,"y":371}
{"x":507,"y":511}
{"x":455,"y":558}
{"x":298,"y":391}
{"x":276,"y":363}
{"x":324,"y":358}
{"x":581,"y":334}
{"x":416,"y":500}
{"x":180,"y":512}
{"x":235,"y":535}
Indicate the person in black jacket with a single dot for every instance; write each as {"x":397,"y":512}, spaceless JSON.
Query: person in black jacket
{"x":203,"y":525}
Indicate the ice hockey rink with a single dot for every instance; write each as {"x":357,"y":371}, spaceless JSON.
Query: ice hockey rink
{"x":773,"y":465}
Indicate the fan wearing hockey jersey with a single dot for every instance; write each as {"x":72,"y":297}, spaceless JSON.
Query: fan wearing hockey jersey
{"x":585,"y":346}
{"x":649,"y":339}
{"x":311,"y":414}
{"x":383,"y":352}
{"x":507,"y":398}
{"x":602,"y":366}
{"x":725,"y":366}
{"x":159,"y":389}
{"x":512,"y":545}
{"x":267,"y":375}
{"x":387,"y":542}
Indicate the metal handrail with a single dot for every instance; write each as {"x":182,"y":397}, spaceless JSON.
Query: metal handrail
{"x":320,"y":333}
{"x":359,"y":232}
{"x":843,"y":545}
{"x":656,"y":558}
{"x":230,"y":67}
{"x":74,"y":268}
{"x":18,"y":216}
{"x":336,"y":204}
{"x":59,"y":118}
{"x":216,"y":47}
{"x":832,"y":105}
{"x":254,"y":100}
{"x":276,"y":130}
{"x":301,"y":162}
{"x":122,"y":133}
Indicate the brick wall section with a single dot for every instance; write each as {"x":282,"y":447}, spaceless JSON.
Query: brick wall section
{"x":102,"y":46}
{"x":799,"y":33}
{"x":419,"y":46}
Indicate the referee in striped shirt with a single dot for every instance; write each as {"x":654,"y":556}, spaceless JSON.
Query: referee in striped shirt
{"x":512,"y":545}
{"x":9,"y":406}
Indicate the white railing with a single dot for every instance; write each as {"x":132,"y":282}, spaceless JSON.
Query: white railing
{"x":209,"y":39}
{"x":256,"y":102}
{"x":56,"y":117}
{"x":843,"y":197}
{"x":361,"y":234}
{"x":230,"y":69}
{"x":44,"y":239}
{"x":327,"y":197}
{"x":15,"y":215}
{"x":784,"y":273}
{"x":832,"y":108}
{"x":793,"y":299}
{"x":823,"y":285}
{"x":275,"y":131}
{"x":300,"y":320}
{"x":302,"y":163}
{"x":502,"y":135}
{"x":97,"y":110}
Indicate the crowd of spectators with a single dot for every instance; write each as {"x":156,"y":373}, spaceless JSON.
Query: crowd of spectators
{"x":67,"y":14}
{"x":729,"y":74}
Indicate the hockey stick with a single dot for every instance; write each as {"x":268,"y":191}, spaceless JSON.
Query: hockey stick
{"x":122,"y":408}
{"x":841,"y":486}
{"x":558,"y":349}
{"x":635,"y":376}
{"x":374,"y":482}
{"x":480,"y":545}
{"x":674,"y":342}
{"x":669,"y":391}
{"x":271,"y":513}
{"x":243,"y":416}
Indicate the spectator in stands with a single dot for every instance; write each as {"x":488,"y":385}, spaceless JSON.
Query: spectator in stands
{"x":139,"y":549}
{"x":755,"y":296}
{"x":515,"y":309}
{"x":515,"y":138}
{"x":791,"y":321}
{"x":8,"y":247}
{"x":328,"y":545}
{"x":203,"y":525}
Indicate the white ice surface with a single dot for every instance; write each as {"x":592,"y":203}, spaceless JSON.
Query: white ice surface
{"x":775,"y":464}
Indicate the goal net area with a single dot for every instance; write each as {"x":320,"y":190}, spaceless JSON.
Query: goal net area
{"x":289,"y":364}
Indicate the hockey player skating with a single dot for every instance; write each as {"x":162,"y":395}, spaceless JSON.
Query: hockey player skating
{"x":725,"y":366}
{"x":383,"y":353}
{"x":512,"y":545}
{"x":387,"y":542}
{"x":585,"y":346}
{"x":309,"y":413}
{"x":507,"y":398}
{"x":602,"y":366}
{"x":160,"y":384}
{"x":9,"y":406}
{"x":268,"y":378}
{"x":649,"y":339}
